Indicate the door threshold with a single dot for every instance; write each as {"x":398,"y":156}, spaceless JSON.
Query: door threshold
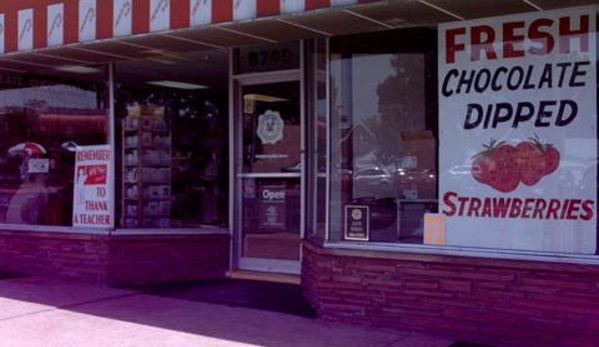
{"x":263,"y":276}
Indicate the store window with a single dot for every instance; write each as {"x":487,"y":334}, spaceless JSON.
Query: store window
{"x":43,"y":119}
{"x":518,"y":133}
{"x":172,"y":136}
{"x":383,"y":135}
{"x":512,"y":127}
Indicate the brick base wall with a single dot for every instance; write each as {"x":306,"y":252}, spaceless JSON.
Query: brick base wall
{"x":505,"y":302}
{"x":115,"y":259}
{"x":55,"y":254}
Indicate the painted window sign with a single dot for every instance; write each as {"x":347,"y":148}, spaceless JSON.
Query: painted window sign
{"x":91,"y":207}
{"x":275,"y":56}
{"x":520,"y":94}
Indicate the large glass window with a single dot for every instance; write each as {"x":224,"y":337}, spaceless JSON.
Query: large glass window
{"x":42,"y":121}
{"x":383,"y":135}
{"x":172,"y":135}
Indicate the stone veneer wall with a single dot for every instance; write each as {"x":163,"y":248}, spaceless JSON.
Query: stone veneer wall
{"x":115,"y":259}
{"x":512,"y":302}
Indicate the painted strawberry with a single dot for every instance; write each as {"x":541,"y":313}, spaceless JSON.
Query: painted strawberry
{"x":480,"y":168}
{"x":552,"y":158}
{"x":496,"y":166}
{"x":503,"y":166}
{"x":531,"y":159}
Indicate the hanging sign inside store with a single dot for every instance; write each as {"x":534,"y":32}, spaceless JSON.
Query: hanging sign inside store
{"x":357,"y":222}
{"x":91,"y":191}
{"x":273,"y":207}
{"x":518,"y":131}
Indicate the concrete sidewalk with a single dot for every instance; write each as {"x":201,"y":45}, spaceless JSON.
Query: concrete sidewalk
{"x":47,"y":312}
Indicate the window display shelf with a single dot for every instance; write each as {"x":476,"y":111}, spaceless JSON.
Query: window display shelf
{"x":147,"y":168}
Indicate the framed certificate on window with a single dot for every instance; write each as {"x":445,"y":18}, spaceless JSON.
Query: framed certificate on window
{"x":357,"y":223}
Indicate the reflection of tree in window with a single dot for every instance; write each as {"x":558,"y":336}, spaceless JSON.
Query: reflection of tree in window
{"x":401,"y":104}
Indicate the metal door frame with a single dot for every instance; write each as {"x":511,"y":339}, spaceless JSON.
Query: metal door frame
{"x":236,"y":205}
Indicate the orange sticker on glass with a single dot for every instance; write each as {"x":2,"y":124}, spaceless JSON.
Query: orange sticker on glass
{"x":434,"y":229}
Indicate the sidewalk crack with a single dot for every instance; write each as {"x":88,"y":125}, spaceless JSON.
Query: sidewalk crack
{"x":66,"y":307}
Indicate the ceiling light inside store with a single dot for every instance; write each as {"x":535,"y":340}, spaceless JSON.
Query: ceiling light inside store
{"x":178,"y":85}
{"x":263,"y":98}
{"x":78,"y":69}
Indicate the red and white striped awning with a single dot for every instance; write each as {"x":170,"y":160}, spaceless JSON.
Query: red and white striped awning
{"x":35,"y":24}
{"x":37,"y":35}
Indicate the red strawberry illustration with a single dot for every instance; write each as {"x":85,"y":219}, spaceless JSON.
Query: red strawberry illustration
{"x":503,"y":166}
{"x":480,"y":168}
{"x":552,"y":158}
{"x":496,"y":166}
{"x":531,"y":160}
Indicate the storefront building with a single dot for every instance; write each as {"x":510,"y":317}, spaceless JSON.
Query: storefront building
{"x":419,"y":164}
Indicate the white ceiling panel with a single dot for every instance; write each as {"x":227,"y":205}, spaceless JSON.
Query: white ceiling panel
{"x":470,"y":9}
{"x":404,"y":13}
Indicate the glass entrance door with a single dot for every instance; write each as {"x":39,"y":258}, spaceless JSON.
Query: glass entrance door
{"x":269,"y":174}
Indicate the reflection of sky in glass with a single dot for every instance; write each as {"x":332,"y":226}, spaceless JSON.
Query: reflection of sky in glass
{"x":58,"y":96}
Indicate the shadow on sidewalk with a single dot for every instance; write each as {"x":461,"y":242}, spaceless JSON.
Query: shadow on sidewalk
{"x":276,"y":297}
{"x":215,"y":311}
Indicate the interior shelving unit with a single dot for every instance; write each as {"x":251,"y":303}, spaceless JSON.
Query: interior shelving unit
{"x":147,"y":140}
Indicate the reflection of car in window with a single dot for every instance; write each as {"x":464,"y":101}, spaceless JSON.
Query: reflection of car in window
{"x":373,"y":182}
{"x":373,"y":177}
